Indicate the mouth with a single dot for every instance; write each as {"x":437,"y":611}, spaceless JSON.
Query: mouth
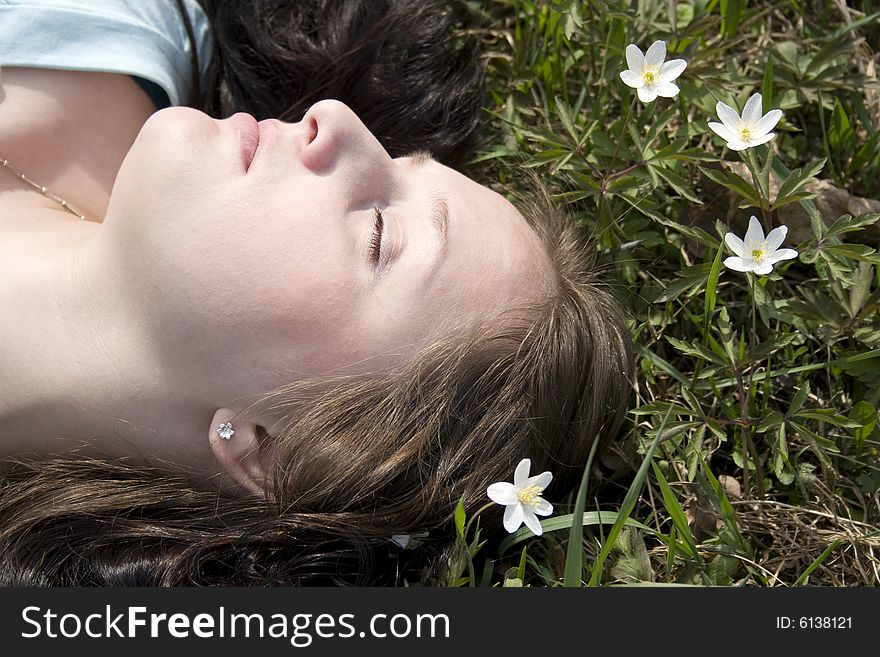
{"x":248,"y":135}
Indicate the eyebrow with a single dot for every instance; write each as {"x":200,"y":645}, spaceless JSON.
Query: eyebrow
{"x":439,"y":209}
{"x":420,"y":157}
{"x":440,"y":219}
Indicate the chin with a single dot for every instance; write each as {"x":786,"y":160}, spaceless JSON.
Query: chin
{"x":174,"y":136}
{"x":176,"y":149}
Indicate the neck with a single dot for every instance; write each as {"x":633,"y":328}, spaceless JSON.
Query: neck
{"x":76,"y":371}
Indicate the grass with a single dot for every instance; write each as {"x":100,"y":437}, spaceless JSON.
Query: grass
{"x":751,"y":453}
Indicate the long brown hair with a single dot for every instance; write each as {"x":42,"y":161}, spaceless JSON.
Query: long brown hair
{"x":407,"y":68}
{"x":358,"y":459}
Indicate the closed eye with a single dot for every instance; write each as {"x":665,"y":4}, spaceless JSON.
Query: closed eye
{"x":376,"y":239}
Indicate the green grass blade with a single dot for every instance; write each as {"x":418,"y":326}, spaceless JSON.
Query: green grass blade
{"x":767,"y":86}
{"x":818,"y":562}
{"x":711,"y":286}
{"x":629,"y":503}
{"x":676,"y":513}
{"x":559,"y":523}
{"x":574,"y":557}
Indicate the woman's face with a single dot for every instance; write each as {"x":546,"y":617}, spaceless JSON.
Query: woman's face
{"x":316,"y":253}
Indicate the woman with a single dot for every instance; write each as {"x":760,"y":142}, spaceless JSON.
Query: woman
{"x":251,"y":353}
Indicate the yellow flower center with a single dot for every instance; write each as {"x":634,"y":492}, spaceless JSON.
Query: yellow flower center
{"x":650,"y":75}
{"x":745,"y":133}
{"x":529,"y":494}
{"x":757,"y":255}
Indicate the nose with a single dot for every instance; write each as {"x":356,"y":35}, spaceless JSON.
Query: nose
{"x":339,"y":143}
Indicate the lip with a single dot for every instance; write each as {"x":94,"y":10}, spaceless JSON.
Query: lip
{"x":248,"y":136}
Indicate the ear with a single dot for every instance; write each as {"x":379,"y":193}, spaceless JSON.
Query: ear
{"x":241,"y":454}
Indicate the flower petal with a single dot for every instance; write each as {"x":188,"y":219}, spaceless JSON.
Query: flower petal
{"x":754,"y":235}
{"x":502,"y":493}
{"x":647,"y":94}
{"x":752,"y":110}
{"x":728,"y":115}
{"x":739,"y":145}
{"x":739,"y":264}
{"x":634,"y":58}
{"x":541,"y":481}
{"x":522,"y":472}
{"x":672,"y":69}
{"x":543,"y":508}
{"x":722,"y":131}
{"x":780,"y":255}
{"x":667,"y":89}
{"x":532,"y":522}
{"x":763,"y":139}
{"x":513,"y":517}
{"x":632,"y":79}
{"x":775,"y":238}
{"x":764,"y":268}
{"x":767,"y":122}
{"x":656,"y":53}
{"x":736,"y":245}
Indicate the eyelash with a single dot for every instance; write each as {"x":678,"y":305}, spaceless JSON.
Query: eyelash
{"x":376,"y":239}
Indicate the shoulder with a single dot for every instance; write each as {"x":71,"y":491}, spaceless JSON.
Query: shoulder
{"x":69,"y":131}
{"x":148,"y":39}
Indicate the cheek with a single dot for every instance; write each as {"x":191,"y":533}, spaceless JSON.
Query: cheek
{"x":285,"y":283}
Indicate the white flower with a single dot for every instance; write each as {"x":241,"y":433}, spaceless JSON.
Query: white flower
{"x":522,"y":498}
{"x":407,"y":541}
{"x":757,"y":254}
{"x":749,"y":130}
{"x":647,"y":73}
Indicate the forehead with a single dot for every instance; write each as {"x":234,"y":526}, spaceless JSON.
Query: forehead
{"x":495,"y":260}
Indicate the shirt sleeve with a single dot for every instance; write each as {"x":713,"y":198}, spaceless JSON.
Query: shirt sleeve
{"x":133,"y":37}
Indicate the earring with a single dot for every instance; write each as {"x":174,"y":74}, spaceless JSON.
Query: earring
{"x":225,"y":431}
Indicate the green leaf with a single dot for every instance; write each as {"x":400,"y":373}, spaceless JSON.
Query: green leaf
{"x":632,"y":564}
{"x":669,"y":150}
{"x":564,"y":113}
{"x":460,"y":518}
{"x":770,"y":421}
{"x":695,"y":349}
{"x":781,"y":172}
{"x":817,"y":562}
{"x":792,"y":198}
{"x":676,"y":513}
{"x":866,"y":415}
{"x":719,"y":500}
{"x":734,"y":183}
{"x":574,"y":557}
{"x":564,"y":522}
{"x":694,"y":232}
{"x":711,"y":285}
{"x":847,"y":223}
{"x":798,"y":400}
{"x":677,"y":183}
{"x":660,"y":122}
{"x":797,"y":179}
{"x":663,"y":365}
{"x":767,"y":86}
{"x":854,"y":251}
{"x":629,"y":502}
{"x":830,"y":416}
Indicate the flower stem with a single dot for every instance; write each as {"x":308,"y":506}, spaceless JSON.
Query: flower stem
{"x":754,"y":337}
{"x":622,"y":132}
{"x":474,"y":516}
{"x":748,"y":158}
{"x":603,"y":182}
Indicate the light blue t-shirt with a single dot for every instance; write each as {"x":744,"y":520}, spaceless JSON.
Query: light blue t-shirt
{"x":141,"y":38}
